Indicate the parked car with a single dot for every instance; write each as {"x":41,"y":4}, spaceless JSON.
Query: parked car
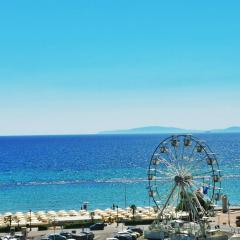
{"x":136,"y":229}
{"x":123,"y":237}
{"x":97,"y":226}
{"x":56,"y":237}
{"x":136,"y":234}
{"x":80,"y":236}
{"x":68,"y":235}
{"x":90,"y":235}
{"x":133,"y":235}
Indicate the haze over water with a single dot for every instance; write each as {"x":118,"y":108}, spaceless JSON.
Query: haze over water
{"x":61,"y":172}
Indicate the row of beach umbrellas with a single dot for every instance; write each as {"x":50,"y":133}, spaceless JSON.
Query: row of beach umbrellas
{"x":44,"y":217}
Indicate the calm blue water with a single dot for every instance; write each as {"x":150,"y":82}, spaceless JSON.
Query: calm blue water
{"x":61,"y":172}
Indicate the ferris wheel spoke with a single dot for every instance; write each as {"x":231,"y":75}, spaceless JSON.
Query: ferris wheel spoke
{"x":193,"y":166}
{"x":163,"y":174}
{"x":206,"y":189}
{"x":176,"y":196}
{"x":166,"y":172}
{"x":170,"y":166}
{"x":162,"y":180}
{"x":202,"y":174}
{"x":197,"y":185}
{"x":171,"y":155}
{"x":194,"y":150}
{"x":189,"y":203}
{"x":162,"y":196}
{"x":192,"y":169}
{"x":175,"y":152}
{"x":161,"y":183}
{"x":188,"y":154}
{"x":197,"y":201}
{"x":194,"y":153}
{"x":196,"y":158}
{"x":168,"y":198}
{"x":182,"y":152}
{"x":201,"y":186}
{"x":198,"y":169}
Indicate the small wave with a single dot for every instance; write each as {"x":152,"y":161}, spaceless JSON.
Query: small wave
{"x":78,"y":181}
{"x":98,"y":181}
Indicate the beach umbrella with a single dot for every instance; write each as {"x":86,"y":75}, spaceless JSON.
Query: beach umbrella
{"x":41,"y":212}
{"x":22,"y":222}
{"x":42,"y":215}
{"x":43,"y":219}
{"x":108,"y":210}
{"x":28,"y":214}
{"x":63,"y":213}
{"x":51,"y":214}
{"x":82,"y":212}
{"x":8,"y":214}
{"x":73,"y":213}
{"x":98,"y":211}
{"x":18,"y":213}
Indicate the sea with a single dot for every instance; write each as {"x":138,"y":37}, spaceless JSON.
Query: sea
{"x":64,"y":172}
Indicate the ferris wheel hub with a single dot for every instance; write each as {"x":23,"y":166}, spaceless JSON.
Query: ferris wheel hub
{"x":182,"y":179}
{"x":179,"y":179}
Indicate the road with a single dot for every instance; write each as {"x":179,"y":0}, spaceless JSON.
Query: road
{"x":109,"y":231}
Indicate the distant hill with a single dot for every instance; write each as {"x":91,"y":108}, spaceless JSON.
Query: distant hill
{"x":149,"y":130}
{"x":166,"y":130}
{"x":227,"y":130}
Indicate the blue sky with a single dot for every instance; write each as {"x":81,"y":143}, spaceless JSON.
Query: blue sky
{"x":87,"y":66}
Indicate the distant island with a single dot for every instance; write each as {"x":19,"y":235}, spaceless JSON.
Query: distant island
{"x":166,"y":130}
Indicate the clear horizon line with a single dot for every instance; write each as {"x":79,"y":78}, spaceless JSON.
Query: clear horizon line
{"x":102,"y":132}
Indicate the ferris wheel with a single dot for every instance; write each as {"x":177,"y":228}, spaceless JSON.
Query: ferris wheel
{"x":184,"y":173}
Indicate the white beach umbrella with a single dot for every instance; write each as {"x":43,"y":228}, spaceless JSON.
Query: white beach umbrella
{"x":108,"y":210}
{"x":42,"y":215}
{"x":51,"y":214}
{"x":73,"y":213}
{"x":8,"y":214}
{"x":62,"y":213}
{"x":98,"y":211}
{"x":19,"y":213}
{"x":41,"y":212}
{"x":82,"y":212}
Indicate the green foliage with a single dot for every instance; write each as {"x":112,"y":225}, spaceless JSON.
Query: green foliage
{"x":138,"y":222}
{"x":43,"y":227}
{"x":134,"y":208}
{"x":6,"y":229}
{"x":78,"y":225}
{"x":184,"y":202}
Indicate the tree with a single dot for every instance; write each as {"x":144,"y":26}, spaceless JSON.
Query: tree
{"x":185,"y":197}
{"x":92,"y":216}
{"x":8,"y":220}
{"x":133,"y":208}
{"x":17,"y":220}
